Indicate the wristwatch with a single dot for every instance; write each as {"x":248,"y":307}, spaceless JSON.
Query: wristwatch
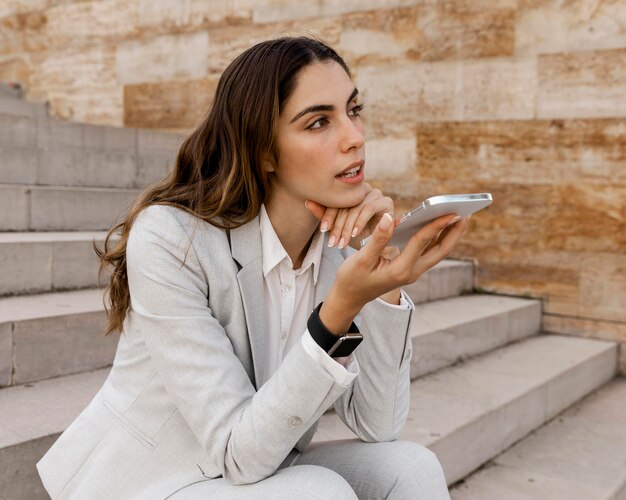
{"x":337,"y":346}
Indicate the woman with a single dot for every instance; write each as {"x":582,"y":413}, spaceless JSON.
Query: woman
{"x":222,"y":371}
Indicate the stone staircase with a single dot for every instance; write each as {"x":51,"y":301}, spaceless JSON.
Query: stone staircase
{"x":484,"y":375}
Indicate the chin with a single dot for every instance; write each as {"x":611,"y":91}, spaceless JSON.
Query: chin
{"x":347,"y":199}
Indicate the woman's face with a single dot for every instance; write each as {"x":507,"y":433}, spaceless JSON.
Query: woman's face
{"x":320,"y":138}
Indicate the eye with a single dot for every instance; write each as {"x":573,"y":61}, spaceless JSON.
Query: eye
{"x":319,"y":123}
{"x":356,"y":110}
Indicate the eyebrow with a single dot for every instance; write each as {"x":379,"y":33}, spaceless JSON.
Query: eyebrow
{"x":322,"y":107}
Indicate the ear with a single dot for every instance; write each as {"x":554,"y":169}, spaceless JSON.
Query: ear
{"x":269,"y":166}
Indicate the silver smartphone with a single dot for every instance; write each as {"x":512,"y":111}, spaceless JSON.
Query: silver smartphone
{"x":432,"y":208}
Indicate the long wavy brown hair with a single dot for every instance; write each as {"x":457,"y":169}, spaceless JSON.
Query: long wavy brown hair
{"x":219,"y":174}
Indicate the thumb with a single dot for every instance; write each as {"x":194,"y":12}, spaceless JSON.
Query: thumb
{"x":380,"y":237}
{"x":315,"y":208}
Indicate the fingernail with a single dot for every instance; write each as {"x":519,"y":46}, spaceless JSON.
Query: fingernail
{"x":355,"y":231}
{"x":331,"y":240}
{"x":306,"y":203}
{"x":455,"y":220}
{"x":324,"y":226}
{"x":342,"y":243}
{"x":385,"y":222}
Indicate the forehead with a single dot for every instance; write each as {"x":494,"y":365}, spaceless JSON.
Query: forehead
{"x":320,"y":83}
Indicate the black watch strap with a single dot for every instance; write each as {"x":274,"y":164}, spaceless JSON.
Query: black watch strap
{"x":334,"y":345}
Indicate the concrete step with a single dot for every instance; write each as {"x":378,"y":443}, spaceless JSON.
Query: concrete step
{"x":54,"y":334}
{"x":37,"y":262}
{"x":449,"y":278}
{"x":58,"y":208}
{"x":469,"y":413}
{"x":38,"y":150}
{"x":12,"y":104}
{"x":32,"y":416}
{"x":48,"y":335}
{"x":579,"y":455}
{"x":446,"y":331}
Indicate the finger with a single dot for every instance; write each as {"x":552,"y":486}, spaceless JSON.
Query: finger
{"x":390,"y":253}
{"x":443,"y":247}
{"x":328,"y":220}
{"x":421,"y":240}
{"x":377,"y":207}
{"x":350,"y":230}
{"x":383,"y":231}
{"x":315,"y":208}
{"x":335,"y":237}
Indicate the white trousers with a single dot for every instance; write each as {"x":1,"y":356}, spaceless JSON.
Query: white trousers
{"x":341,"y":470}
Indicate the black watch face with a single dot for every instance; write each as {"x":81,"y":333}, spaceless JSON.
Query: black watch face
{"x":344,"y":346}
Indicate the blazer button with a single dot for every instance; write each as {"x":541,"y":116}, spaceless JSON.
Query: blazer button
{"x":295,"y":421}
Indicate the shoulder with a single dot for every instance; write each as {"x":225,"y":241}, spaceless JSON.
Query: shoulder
{"x":173,"y":228}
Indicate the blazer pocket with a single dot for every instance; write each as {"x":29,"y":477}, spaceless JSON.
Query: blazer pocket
{"x":130,"y":428}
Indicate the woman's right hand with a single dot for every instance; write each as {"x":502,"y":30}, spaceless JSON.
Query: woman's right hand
{"x":376,"y":269}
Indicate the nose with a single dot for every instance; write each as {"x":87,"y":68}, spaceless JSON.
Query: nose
{"x":352,"y":136}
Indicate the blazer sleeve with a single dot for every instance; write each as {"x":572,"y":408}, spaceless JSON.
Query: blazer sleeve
{"x":246,"y":434}
{"x":376,"y":406}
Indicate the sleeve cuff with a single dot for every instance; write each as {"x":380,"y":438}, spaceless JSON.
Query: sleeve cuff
{"x":343,"y":370}
{"x":405,"y":302}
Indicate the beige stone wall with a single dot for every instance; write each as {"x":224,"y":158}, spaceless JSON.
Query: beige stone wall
{"x":522,"y":98}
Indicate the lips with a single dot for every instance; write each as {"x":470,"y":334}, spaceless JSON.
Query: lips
{"x":352,"y":170}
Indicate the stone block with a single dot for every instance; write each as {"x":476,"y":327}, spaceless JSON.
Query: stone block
{"x":153,"y":166}
{"x":18,"y":165}
{"x":6,"y":353}
{"x":193,"y":14}
{"x":103,"y":106}
{"x":19,"y":479}
{"x":62,"y":345}
{"x":84,"y":24}
{"x":479,"y":324}
{"x":74,"y":265}
{"x":449,"y":278}
{"x":500,"y":481}
{"x":74,"y":209}
{"x":180,"y":104}
{"x":565,"y":390}
{"x":486,"y":89}
{"x":228,"y":43}
{"x":17,"y":106}
{"x":53,"y":133}
{"x":103,"y":168}
{"x":584,"y":442}
{"x":18,"y":131}
{"x":585,"y":84}
{"x":160,"y":58}
{"x":545,"y":26}
{"x":428,"y":32}
{"x":110,"y":138}
{"x":151,"y":141}
{"x":45,"y":408}
{"x":533,"y":153}
{"x":74,"y":69}
{"x":26,"y":267}
{"x":11,"y":7}
{"x":14,"y":203}
{"x":391,"y":158}
{"x":285,"y":10}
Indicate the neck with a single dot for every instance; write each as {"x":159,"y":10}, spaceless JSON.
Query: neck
{"x":294,"y":227}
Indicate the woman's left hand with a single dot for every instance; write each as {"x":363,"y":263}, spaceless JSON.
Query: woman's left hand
{"x":345,"y":224}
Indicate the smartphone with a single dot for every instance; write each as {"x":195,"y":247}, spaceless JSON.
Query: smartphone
{"x":432,"y":208}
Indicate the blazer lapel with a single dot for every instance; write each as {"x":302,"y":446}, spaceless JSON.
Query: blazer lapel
{"x":246,"y":250}
{"x":330,"y":261}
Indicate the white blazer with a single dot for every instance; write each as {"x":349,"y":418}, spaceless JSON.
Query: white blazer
{"x":180,"y":404}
